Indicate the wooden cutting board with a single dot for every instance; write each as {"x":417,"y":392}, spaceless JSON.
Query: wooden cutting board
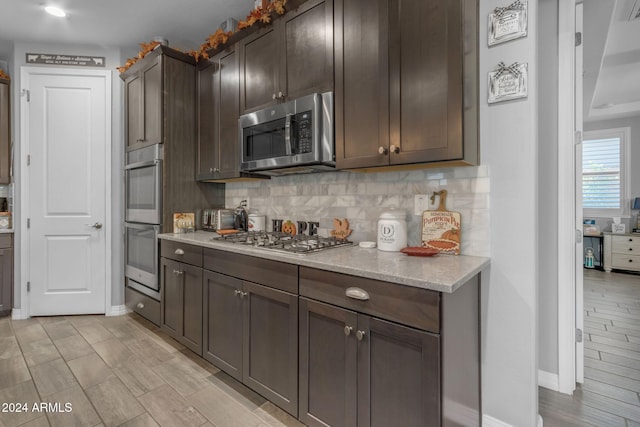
{"x":441,"y":228}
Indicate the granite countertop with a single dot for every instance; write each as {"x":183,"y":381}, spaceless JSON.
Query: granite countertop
{"x":442,"y":273}
{"x":6,"y":230}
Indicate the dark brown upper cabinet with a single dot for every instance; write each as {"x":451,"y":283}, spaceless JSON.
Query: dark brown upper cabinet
{"x":155,"y":88}
{"x":291,"y":58}
{"x":5,"y":133}
{"x":406,"y":82}
{"x":218,"y":111}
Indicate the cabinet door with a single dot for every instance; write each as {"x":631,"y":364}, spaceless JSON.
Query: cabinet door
{"x":328,"y":348}
{"x":228,"y":90}
{"x":172,"y":298}
{"x":182,"y":303}
{"x":5,"y":134}
{"x":259,"y":70}
{"x":207,"y":119}
{"x":398,"y":375}
{"x":270,"y":355}
{"x":134,"y":115}
{"x":308,"y":49}
{"x":425,"y":80}
{"x":152,"y":98}
{"x":6,"y":281}
{"x":192,"y":308}
{"x":361,"y":83}
{"x":223,"y":323}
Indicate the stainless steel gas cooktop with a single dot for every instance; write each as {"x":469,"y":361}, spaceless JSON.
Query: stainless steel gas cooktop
{"x":283,"y":242}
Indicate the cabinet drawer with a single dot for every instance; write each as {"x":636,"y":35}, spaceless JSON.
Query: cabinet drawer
{"x":625,"y":245}
{"x":189,"y":254}
{"x":415,"y":307}
{"x":5,"y":240}
{"x":275,"y":274}
{"x":625,"y":262}
{"x":143,"y":305}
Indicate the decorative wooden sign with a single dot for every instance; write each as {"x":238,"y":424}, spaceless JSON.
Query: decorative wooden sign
{"x":341,"y":229}
{"x":507,"y":83}
{"x":59,"y":59}
{"x":441,"y":228}
{"x":508,"y":23}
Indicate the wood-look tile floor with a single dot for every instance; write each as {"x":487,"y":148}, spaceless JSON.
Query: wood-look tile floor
{"x":610,"y":393}
{"x":117,"y":371}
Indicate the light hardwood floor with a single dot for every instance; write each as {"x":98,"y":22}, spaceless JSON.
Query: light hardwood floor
{"x":117,"y":371}
{"x":610,"y":393}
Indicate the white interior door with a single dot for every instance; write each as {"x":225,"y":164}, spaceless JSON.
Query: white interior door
{"x":579,"y":219}
{"x":67,"y":124}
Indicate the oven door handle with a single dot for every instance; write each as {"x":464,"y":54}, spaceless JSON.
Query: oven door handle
{"x":287,"y":134}
{"x":142,"y":164}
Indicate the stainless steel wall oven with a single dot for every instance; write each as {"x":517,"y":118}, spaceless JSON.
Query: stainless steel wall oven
{"x":143,"y":217}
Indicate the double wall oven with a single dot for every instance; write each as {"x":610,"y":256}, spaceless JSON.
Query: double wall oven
{"x":143,"y":218}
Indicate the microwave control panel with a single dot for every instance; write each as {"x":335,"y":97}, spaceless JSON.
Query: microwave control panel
{"x":304,"y":132}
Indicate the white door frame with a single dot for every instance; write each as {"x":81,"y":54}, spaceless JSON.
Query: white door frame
{"x":25,"y":72}
{"x":567,"y":226}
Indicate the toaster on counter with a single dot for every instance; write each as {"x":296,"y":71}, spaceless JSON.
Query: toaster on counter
{"x":217,"y":219}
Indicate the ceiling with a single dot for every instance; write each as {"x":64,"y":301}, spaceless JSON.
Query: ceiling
{"x":611,"y":59}
{"x":611,"y":47}
{"x":116,"y":23}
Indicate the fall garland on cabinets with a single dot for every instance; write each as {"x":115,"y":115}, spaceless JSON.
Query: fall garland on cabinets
{"x":263,"y":15}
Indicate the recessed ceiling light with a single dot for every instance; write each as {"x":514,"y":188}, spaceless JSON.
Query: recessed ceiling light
{"x":55,"y":11}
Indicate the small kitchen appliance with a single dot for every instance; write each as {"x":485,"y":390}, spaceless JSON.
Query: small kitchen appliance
{"x":217,"y":219}
{"x":292,"y":137}
{"x":241,"y":219}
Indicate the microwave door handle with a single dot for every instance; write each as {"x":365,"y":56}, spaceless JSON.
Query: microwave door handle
{"x":287,"y":135}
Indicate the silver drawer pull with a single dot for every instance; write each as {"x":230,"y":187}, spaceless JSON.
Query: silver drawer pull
{"x":360,"y":335}
{"x":347,"y":330}
{"x":357,"y":293}
{"x":179,"y":252}
{"x":140,"y":305}
{"x":177,"y":272}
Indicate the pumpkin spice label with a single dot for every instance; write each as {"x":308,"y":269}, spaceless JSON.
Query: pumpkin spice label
{"x":441,"y":231}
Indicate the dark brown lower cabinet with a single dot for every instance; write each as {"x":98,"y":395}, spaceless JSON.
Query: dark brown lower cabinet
{"x":6,"y":274}
{"x":251,"y":332}
{"x":182,"y":302}
{"x":358,"y":370}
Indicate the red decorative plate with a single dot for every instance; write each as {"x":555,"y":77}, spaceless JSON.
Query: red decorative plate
{"x":419,"y":251}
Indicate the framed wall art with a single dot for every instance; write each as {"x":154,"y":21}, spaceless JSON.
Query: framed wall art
{"x":507,"y":83}
{"x":508,"y":23}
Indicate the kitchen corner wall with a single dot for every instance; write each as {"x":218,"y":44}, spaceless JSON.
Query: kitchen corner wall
{"x":360,"y":197}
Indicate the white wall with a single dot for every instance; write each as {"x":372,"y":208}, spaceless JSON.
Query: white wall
{"x":112,"y":60}
{"x":548,"y":186}
{"x":509,"y":146}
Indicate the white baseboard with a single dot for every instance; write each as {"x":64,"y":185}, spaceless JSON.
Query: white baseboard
{"x":118,"y":310}
{"x":17,"y":314}
{"x":459,"y":414}
{"x":548,"y":380}
{"x":489,"y":421}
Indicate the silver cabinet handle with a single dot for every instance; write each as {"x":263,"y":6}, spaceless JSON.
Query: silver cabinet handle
{"x":280,"y":95}
{"x":237,"y":292}
{"x":394,"y":149}
{"x":347,"y":330}
{"x":179,"y":252}
{"x":178,"y":272}
{"x":243,"y":294}
{"x":97,"y":225}
{"x":140,"y":305}
{"x":274,"y":97}
{"x":357,"y":293}
{"x":360,"y":335}
{"x":210,"y":170}
{"x":382,"y":150}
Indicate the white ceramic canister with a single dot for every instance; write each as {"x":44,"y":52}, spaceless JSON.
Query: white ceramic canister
{"x":257,"y":222}
{"x":392,"y":230}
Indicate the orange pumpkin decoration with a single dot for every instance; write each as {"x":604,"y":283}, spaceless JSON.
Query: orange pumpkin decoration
{"x":289,"y":227}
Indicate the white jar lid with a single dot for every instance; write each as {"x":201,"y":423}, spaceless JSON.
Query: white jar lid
{"x":393,"y":214}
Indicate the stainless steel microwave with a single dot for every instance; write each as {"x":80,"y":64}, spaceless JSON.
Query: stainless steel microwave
{"x":292,"y":137}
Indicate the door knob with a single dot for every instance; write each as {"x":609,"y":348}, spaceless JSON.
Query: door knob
{"x":383,"y":150}
{"x":360,"y":335}
{"x":394,"y":149}
{"x":347,"y":330}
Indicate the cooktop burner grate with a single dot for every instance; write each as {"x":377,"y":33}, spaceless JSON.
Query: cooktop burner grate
{"x":284,"y":242}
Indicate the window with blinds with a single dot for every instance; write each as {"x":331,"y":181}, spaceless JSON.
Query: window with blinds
{"x":603,"y":174}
